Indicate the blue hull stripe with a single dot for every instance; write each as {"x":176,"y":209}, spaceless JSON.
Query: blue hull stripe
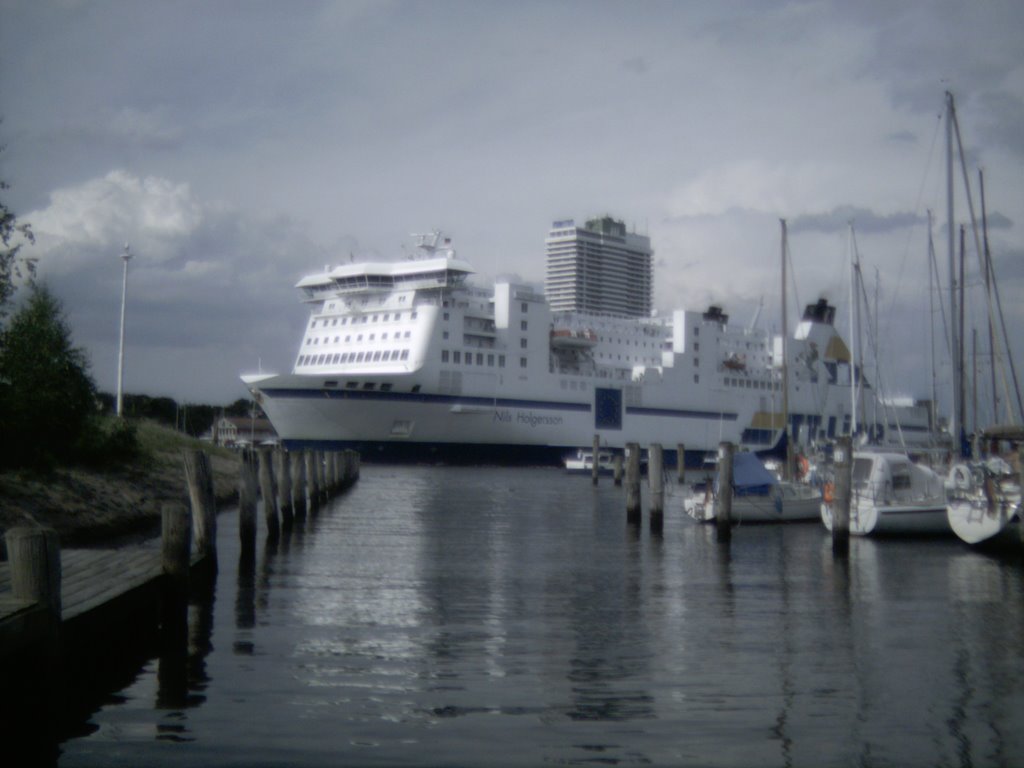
{"x":673,"y":412}
{"x":420,"y":397}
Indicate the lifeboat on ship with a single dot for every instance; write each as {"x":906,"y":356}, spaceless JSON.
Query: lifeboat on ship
{"x":573,"y":338}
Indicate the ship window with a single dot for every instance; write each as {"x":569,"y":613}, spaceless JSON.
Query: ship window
{"x":696,"y":331}
{"x":369,"y":385}
{"x":696,"y":361}
{"x":308,"y":342}
{"x":352,"y":385}
{"x":360,"y":356}
{"x":376,"y":356}
{"x":522,"y":343}
{"x":372,"y":336}
{"x":446,"y":314}
{"x":522,"y":325}
{"x":501,"y":361}
{"x":344,"y":321}
{"x":696,"y":378}
{"x":479,"y":358}
{"x":330,"y":383}
{"x":444,"y":335}
{"x":525,"y":307}
{"x":385,"y":387}
{"x":348,"y":339}
{"x":336,"y":358}
{"x":405,"y":354}
{"x":407,"y":334}
{"x":444,"y":355}
{"x":334,"y":321}
{"x":413,"y":315}
{"x":337,"y":339}
{"x":384,"y":337}
{"x":457,"y":356}
{"x":522,"y":362}
{"x":490,"y":360}
{"x":375,"y":318}
{"x":415,"y":388}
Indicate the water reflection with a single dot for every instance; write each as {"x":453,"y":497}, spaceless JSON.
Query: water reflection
{"x":444,"y":616}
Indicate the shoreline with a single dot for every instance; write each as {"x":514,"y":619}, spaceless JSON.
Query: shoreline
{"x":114,"y":505}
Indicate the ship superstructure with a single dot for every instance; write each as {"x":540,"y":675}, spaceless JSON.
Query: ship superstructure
{"x":409,"y":359}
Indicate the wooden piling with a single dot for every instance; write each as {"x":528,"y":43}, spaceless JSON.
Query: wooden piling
{"x":268,"y":489}
{"x":723,"y":510}
{"x":298,"y":462}
{"x":842,"y":496}
{"x":321,"y":468}
{"x":247,"y":493}
{"x":681,"y":463}
{"x":312,"y":479}
{"x":175,"y":557}
{"x":633,"y":483}
{"x":284,"y":486}
{"x":34,"y":556}
{"x":595,"y":468}
{"x":1020,"y":465}
{"x":617,"y":462}
{"x":204,"y":504}
{"x":655,"y":478}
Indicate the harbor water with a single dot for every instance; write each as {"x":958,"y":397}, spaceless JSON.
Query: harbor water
{"x":471,"y":617}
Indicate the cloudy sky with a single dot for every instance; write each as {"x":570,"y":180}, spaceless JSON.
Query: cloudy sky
{"x":238,"y":145}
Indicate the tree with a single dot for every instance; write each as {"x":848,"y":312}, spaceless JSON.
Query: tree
{"x":47,"y":398}
{"x":12,"y":267}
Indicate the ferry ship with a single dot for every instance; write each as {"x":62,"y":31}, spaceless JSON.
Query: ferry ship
{"x":408,"y":360}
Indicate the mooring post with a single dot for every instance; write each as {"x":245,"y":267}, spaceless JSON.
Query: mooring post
{"x":34,"y":556}
{"x":617,"y":461}
{"x":842,"y":496}
{"x":681,"y":463}
{"x":33,"y":689}
{"x":655,"y":465}
{"x":247,"y":492}
{"x":332,"y":466}
{"x":204,"y":505}
{"x":175,"y":556}
{"x":723,"y":511}
{"x":312,"y":480}
{"x":298,"y":462}
{"x":633,"y":483}
{"x":284,"y":486}
{"x":268,"y":489}
{"x":321,"y":468}
{"x":595,"y":451}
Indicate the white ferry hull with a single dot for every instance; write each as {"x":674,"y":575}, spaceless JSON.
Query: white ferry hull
{"x":403,"y":423}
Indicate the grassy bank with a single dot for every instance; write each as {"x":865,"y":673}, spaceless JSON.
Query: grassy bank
{"x":93,"y":506}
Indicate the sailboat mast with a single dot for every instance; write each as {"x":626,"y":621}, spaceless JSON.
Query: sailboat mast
{"x":954,"y":422}
{"x":853,"y":339}
{"x":988,"y":297}
{"x":931,"y":320}
{"x":788,"y":471}
{"x":961,"y":369}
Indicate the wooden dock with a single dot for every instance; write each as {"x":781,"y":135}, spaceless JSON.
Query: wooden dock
{"x":54,"y":594}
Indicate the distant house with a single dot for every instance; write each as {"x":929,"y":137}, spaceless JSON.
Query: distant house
{"x":233,"y":431}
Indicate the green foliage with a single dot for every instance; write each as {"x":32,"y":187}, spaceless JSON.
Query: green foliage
{"x":11,"y":266}
{"x":47,"y":397}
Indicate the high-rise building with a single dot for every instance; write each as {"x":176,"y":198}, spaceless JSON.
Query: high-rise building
{"x":599,"y":268}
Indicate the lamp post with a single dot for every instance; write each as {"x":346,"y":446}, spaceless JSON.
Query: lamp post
{"x":126,"y":257}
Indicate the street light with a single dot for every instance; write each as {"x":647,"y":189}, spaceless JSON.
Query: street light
{"x":126,"y":257}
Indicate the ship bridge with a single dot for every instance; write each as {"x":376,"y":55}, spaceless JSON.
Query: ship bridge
{"x":441,"y":272}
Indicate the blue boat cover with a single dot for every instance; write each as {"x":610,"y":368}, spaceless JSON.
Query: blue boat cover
{"x":749,"y":476}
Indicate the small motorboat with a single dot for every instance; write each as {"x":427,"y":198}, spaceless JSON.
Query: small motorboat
{"x":582,"y":463}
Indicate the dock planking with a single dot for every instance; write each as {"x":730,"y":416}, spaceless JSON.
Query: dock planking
{"x":91,"y":578}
